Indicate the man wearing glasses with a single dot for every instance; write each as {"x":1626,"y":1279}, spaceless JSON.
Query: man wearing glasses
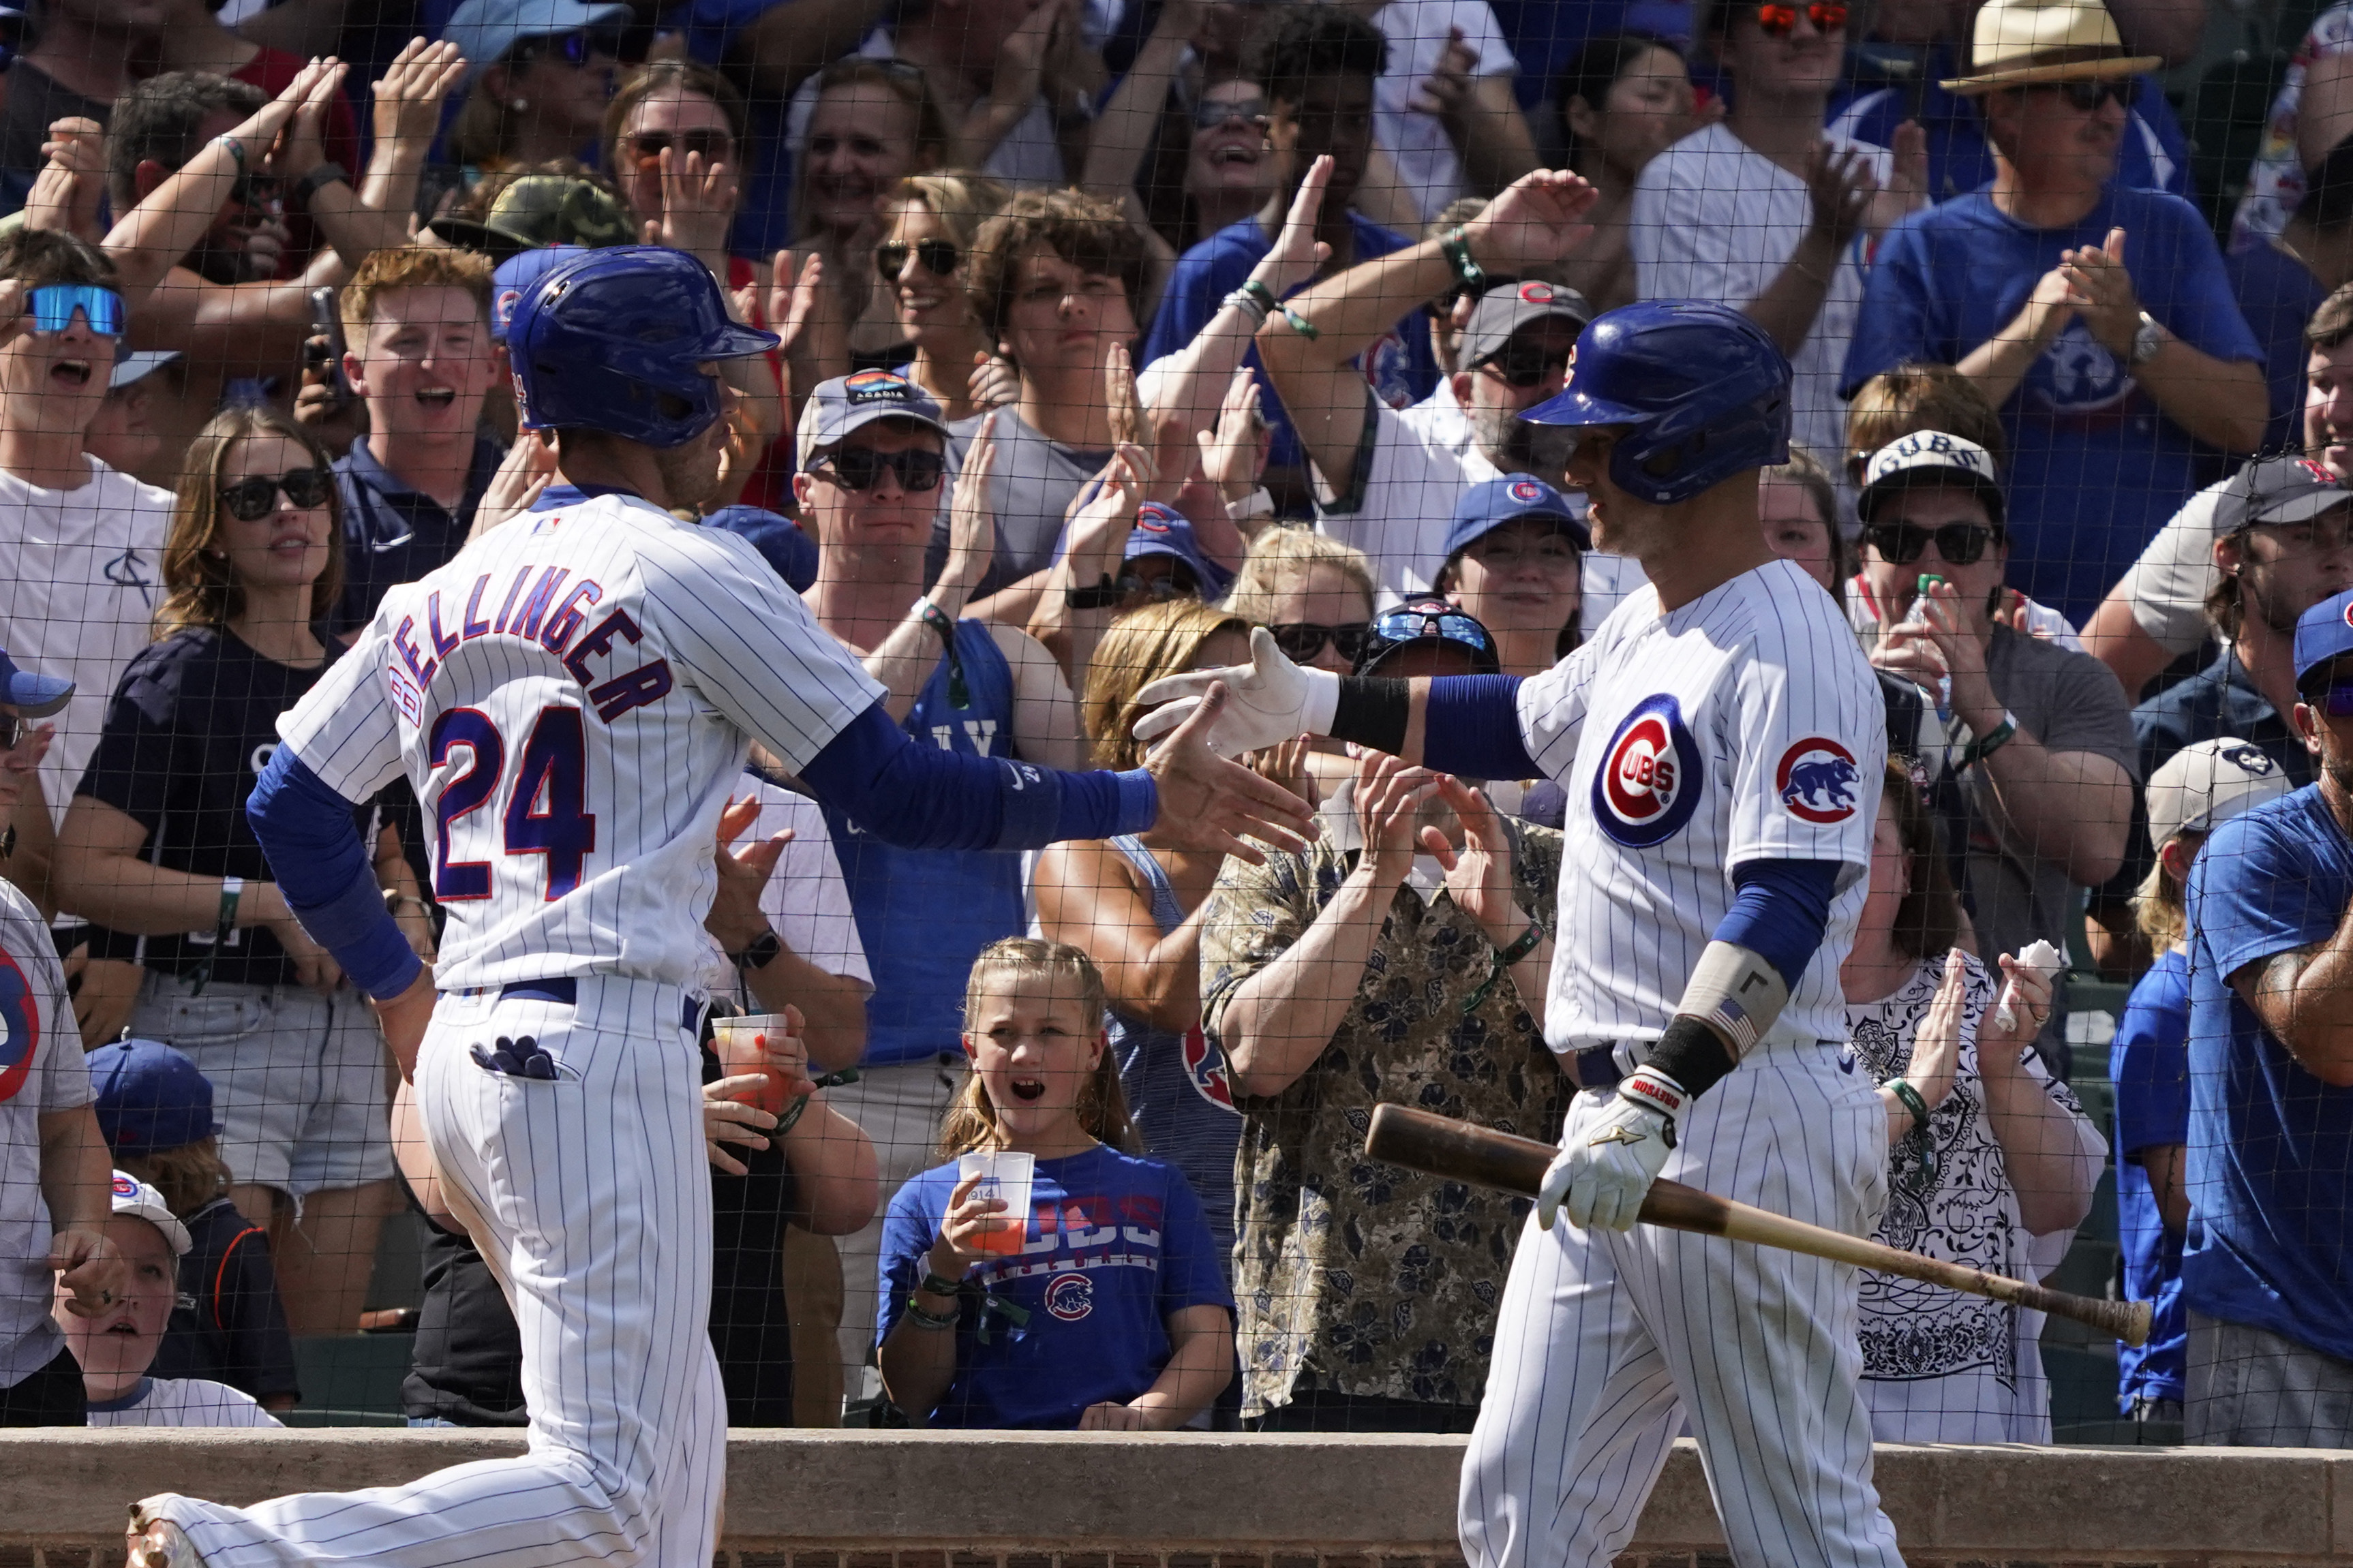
{"x":2046,"y":778}
{"x":2264,"y":1274}
{"x":872,"y":459}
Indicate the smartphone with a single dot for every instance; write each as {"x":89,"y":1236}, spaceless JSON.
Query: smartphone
{"x":327,"y":321}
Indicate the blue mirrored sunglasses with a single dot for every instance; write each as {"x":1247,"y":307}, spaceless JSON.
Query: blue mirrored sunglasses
{"x":2337,"y":701}
{"x":52,"y":306}
{"x":1411,"y":626}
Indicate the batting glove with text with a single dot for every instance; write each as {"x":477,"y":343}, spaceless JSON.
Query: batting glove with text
{"x":1611,"y":1151}
{"x":1274,"y":700}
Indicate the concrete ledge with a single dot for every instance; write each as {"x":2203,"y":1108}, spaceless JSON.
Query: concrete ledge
{"x":1114,"y":1500}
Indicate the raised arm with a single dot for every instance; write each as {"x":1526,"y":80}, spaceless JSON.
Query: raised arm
{"x":1480,"y":115}
{"x":407,"y":109}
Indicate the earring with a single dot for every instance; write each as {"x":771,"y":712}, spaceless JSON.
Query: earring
{"x":520,"y":105}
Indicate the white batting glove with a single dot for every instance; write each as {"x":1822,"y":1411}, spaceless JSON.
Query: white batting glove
{"x":1611,"y":1151}
{"x":1274,"y":700}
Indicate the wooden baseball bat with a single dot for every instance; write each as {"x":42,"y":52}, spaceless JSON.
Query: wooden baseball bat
{"x":1462,"y":1151}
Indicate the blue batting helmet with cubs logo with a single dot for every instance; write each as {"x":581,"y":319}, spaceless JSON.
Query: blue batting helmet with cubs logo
{"x":615,"y":340}
{"x":1702,"y":391}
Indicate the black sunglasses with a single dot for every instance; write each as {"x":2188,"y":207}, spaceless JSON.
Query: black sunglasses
{"x":576,"y":47}
{"x":716,"y":146}
{"x":1961,"y":543}
{"x":1179,"y":583}
{"x":1523,"y":366}
{"x":2086,"y":96}
{"x":250,"y":500}
{"x":13,"y":731}
{"x":1303,"y":640}
{"x":939,"y":255}
{"x":860,"y":468}
{"x":1208,"y":114}
{"x":2337,"y":702}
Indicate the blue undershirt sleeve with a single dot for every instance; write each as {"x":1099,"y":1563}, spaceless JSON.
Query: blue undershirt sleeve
{"x":1471,"y":728}
{"x":921,"y":797}
{"x":1779,"y":912}
{"x":322,"y":867}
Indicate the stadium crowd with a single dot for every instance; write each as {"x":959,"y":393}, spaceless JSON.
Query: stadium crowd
{"x":1114,"y":334}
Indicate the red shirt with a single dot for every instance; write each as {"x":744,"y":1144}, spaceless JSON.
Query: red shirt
{"x":271,"y":70}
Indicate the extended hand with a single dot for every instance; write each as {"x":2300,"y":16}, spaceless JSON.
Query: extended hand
{"x":1274,"y":700}
{"x":91,"y":1268}
{"x":1611,"y":1151}
{"x":1539,"y":219}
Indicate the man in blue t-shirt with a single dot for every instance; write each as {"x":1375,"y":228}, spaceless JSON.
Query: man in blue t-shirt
{"x":1318,"y":73}
{"x":2096,"y":317}
{"x":2268,"y":1270}
{"x":2280,"y":281}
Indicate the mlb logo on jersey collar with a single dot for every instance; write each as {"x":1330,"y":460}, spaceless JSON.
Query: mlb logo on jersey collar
{"x":1650,"y":784}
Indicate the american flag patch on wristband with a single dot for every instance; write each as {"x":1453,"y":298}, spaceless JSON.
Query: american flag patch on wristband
{"x":1733,"y":1020}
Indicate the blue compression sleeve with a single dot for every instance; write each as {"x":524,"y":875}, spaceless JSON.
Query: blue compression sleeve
{"x":305,"y":829}
{"x":921,"y":797}
{"x":1473,"y":728}
{"x":1780,"y":911}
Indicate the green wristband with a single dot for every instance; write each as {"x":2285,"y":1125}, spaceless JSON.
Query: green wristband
{"x":1457,"y":251}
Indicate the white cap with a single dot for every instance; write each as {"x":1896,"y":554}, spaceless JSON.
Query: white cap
{"x":137,"y":366}
{"x":2201,"y":786}
{"x":1930,"y":458}
{"x":133,"y":1197}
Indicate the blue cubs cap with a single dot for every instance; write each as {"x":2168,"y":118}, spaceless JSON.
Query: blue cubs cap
{"x":852,"y":402}
{"x":32,"y":696}
{"x":2322,"y":633}
{"x":779,"y":541}
{"x":1163,"y":531}
{"x":485,"y":31}
{"x":514,"y":278}
{"x":149,"y":1097}
{"x":1488,"y":506}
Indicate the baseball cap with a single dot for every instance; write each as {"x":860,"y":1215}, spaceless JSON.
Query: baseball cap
{"x":1426,"y":620}
{"x":138,"y":366}
{"x":1506,"y":308}
{"x":541,"y":210}
{"x":1930,"y":458}
{"x":2322,"y":633}
{"x":32,"y":696}
{"x":2204,"y":785}
{"x":514,"y":279}
{"x":2277,"y":490}
{"x":133,"y":1197}
{"x":484,"y":30}
{"x":1163,"y":531}
{"x":1490,"y":504}
{"x":149,"y":1097}
{"x":852,"y":402}
{"x":779,"y":541}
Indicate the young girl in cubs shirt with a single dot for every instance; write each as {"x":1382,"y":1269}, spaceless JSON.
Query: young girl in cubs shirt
{"x":1111,"y":1313}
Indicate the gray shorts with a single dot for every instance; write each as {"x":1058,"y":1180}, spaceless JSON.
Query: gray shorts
{"x":299,"y":1084}
{"x":2248,"y":1387}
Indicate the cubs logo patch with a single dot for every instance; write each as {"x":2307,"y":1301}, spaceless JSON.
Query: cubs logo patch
{"x":1071,"y":1296}
{"x":1649,"y":783}
{"x":1205,"y":1069}
{"x":1526,"y":491}
{"x":876,"y":386}
{"x":1816,"y":779}
{"x":2348,"y":611}
{"x":21,"y":1022}
{"x":2250,"y":759}
{"x":124,"y":1187}
{"x":1536,"y":293}
{"x":503,"y":308}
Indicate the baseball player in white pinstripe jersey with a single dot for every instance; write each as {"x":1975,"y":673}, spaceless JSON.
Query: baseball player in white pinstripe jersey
{"x":572,"y":699}
{"x":1721,"y":740}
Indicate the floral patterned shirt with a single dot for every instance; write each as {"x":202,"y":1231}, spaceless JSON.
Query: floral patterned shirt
{"x":1352,"y":1277}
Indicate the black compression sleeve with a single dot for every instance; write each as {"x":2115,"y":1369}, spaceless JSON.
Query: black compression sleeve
{"x":1691,"y":1054}
{"x":1373,"y":711}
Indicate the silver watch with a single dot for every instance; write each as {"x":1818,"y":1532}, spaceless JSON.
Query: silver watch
{"x":2148,"y":338}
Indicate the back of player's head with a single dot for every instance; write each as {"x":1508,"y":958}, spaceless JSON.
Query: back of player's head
{"x":1917,"y":396}
{"x":1020,"y":963}
{"x":614,"y":341}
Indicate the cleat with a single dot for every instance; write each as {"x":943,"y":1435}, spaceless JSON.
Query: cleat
{"x":158,"y":1543}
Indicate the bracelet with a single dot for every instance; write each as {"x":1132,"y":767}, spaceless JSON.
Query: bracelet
{"x":1998,"y":736}
{"x":1103,"y":596}
{"x":1248,"y":304}
{"x":232,"y":889}
{"x":1919,"y":1109}
{"x":940,"y":621}
{"x":793,"y":1113}
{"x":935,"y":1322}
{"x":759,"y":952}
{"x":937,"y":1284}
{"x":1268,"y":301}
{"x":1301,"y":324}
{"x":1457,"y":251}
{"x":317,"y":179}
{"x":394,"y":900}
{"x":1525,"y":943}
{"x":235,"y":149}
{"x":1258,"y":503}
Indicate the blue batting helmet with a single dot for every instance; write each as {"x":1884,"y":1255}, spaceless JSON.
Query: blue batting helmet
{"x":1703,"y":391}
{"x":613,"y":339}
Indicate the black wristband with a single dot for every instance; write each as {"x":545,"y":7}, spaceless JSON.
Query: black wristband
{"x":761,"y":952}
{"x":1691,"y":1054}
{"x":1373,"y":710}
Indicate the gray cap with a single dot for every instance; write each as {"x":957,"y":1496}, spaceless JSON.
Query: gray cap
{"x":2203,"y":785}
{"x":2278,"y":489}
{"x":1506,"y":308}
{"x":852,"y":402}
{"x":484,"y":30}
{"x":137,"y":366}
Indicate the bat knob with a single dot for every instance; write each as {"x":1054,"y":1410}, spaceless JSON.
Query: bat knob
{"x":2138,"y":1321}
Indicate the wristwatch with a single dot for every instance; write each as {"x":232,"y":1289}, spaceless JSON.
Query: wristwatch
{"x":2148,"y":338}
{"x":310,"y":184}
{"x":762,"y":952}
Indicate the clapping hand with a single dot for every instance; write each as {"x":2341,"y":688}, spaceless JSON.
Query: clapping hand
{"x":1297,"y":254}
{"x":2100,"y":290}
{"x":1233,"y":454}
{"x":405,"y":104}
{"x":1842,"y":188}
{"x":66,"y":194}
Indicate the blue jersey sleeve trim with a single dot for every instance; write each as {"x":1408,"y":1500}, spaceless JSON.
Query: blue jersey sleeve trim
{"x":314,"y":852}
{"x":1471,"y":727}
{"x":1780,"y":911}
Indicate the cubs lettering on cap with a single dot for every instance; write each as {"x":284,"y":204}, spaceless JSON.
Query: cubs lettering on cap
{"x":1931,"y":449}
{"x":1649,"y":783}
{"x":1816,"y":779}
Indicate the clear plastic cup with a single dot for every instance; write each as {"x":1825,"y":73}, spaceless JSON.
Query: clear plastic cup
{"x":1006,"y":1176}
{"x":741,"y":1045}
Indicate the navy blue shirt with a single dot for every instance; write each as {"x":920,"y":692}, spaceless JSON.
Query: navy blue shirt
{"x":1400,"y":367}
{"x":2095,"y":469}
{"x":228,"y":1324}
{"x":2151,"y":1064}
{"x":2278,"y":294}
{"x":2271,"y":1146}
{"x":393,"y":533}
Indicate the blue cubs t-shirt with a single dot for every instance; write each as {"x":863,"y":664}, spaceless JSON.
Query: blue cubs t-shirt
{"x":1115,"y":1243}
{"x":2271,"y":1146}
{"x":2095,"y":469}
{"x":1400,"y":368}
{"x":2278,"y":294}
{"x":2149,"y":1062}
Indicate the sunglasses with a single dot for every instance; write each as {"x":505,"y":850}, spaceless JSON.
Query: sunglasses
{"x":577,"y":48}
{"x":1961,"y":543}
{"x":2336,"y":701}
{"x":2084,"y":97}
{"x":250,"y":500}
{"x":52,"y":306}
{"x":1523,"y":367}
{"x":1178,"y":583}
{"x":1303,"y":640}
{"x":860,"y":468}
{"x":1208,"y":114}
{"x":1780,"y":21}
{"x":1404,"y":625}
{"x":716,"y":146}
{"x":939,"y":255}
{"x":13,"y":731}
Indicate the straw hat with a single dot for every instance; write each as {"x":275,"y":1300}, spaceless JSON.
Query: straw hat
{"x":2020,"y":42}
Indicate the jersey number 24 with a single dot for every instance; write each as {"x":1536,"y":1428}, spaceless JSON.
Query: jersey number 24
{"x":547,"y":810}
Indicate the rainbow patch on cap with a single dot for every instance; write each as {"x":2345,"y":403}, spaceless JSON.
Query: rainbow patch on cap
{"x":876,"y":386}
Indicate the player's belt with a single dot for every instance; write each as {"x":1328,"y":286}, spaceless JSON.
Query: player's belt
{"x":1598,"y":1068}
{"x":566,"y":991}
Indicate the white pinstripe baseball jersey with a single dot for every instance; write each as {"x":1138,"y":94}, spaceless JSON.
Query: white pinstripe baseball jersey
{"x":572,"y":699}
{"x":1743,"y":726}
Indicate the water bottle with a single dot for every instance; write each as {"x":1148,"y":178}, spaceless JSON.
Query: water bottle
{"x":1917,"y":618}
